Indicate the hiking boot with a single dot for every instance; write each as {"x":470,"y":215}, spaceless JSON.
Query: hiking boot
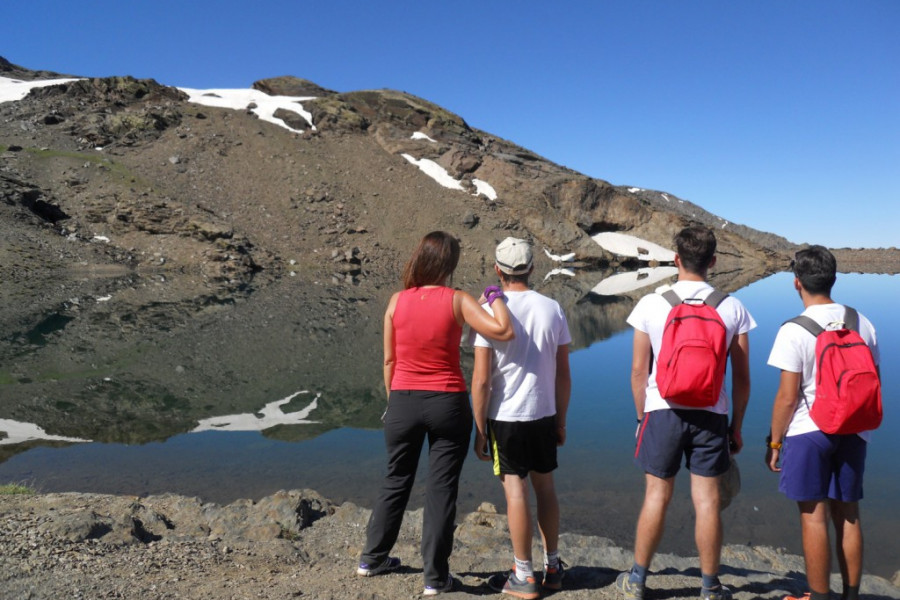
{"x":434,"y":590}
{"x":509,"y":583}
{"x":553,"y":577}
{"x":717,"y":593}
{"x":391,"y":563}
{"x":631,"y":591}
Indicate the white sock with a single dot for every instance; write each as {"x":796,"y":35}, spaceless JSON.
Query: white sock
{"x":523,"y":569}
{"x":551,"y":559}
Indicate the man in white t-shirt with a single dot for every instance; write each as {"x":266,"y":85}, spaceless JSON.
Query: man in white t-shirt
{"x":668,"y":432}
{"x":520,"y":395}
{"x":822,"y":472}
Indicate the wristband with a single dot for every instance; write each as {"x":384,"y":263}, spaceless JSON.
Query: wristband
{"x":491,"y":289}
{"x":771,"y":444}
{"x":494,"y":296}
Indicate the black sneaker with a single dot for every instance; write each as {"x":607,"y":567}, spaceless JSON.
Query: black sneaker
{"x":391,"y":563}
{"x":434,"y":590}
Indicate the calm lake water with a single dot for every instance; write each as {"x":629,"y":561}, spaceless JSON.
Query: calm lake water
{"x":600,"y":488}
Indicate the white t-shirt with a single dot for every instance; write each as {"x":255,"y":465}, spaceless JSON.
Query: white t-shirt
{"x":523,"y":369}
{"x":794,"y":350}
{"x":649,"y":316}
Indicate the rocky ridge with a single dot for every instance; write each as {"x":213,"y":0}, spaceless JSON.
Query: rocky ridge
{"x":297,"y":544}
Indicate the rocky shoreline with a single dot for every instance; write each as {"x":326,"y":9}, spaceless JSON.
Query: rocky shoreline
{"x":297,"y":544}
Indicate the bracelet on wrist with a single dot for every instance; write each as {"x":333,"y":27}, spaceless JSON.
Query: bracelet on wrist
{"x":772,"y":445}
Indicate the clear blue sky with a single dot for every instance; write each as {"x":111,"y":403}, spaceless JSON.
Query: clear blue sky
{"x":784,"y":116}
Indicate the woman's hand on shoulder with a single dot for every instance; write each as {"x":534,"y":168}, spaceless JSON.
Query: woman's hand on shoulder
{"x":497,"y":326}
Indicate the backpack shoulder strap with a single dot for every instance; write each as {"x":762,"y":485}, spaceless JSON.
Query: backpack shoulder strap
{"x":715,"y":298}
{"x":671,"y":296}
{"x":851,"y":319}
{"x":807,"y":324}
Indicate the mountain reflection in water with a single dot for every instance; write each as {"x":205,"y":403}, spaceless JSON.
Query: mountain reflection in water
{"x":229,"y":372}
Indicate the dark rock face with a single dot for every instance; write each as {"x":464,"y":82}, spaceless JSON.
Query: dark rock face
{"x":291,"y":86}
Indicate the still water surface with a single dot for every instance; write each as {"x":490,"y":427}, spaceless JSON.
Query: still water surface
{"x":600,"y":488}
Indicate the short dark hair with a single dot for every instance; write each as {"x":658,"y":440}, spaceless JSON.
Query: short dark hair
{"x":433,"y":261}
{"x":520,"y":278}
{"x":816,"y":268}
{"x":696,"y":246}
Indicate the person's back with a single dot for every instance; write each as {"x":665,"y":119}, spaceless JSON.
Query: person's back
{"x":822,"y":472}
{"x":520,"y":397}
{"x":524,"y":369}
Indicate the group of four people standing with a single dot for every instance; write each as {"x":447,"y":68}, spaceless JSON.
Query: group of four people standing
{"x":520,"y":395}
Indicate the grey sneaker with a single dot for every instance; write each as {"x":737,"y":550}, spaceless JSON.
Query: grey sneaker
{"x":553,"y":577}
{"x":434,"y":590}
{"x":718,"y":593}
{"x":631,"y":591}
{"x":509,"y":583}
{"x":391,"y":563}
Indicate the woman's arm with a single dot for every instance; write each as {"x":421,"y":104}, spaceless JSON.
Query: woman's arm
{"x":497,"y":326}
{"x":390,"y":358}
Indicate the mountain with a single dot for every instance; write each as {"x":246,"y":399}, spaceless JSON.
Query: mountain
{"x":170,"y":256}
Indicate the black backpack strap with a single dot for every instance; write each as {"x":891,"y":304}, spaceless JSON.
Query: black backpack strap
{"x":715,"y":298}
{"x":671,"y":296}
{"x":807,"y":324}
{"x":851,"y":319}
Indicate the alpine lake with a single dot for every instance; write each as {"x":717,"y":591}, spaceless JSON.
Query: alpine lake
{"x":238,"y":399}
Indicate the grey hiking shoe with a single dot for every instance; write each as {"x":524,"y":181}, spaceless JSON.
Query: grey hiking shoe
{"x":631,"y":591}
{"x":391,"y":563}
{"x":509,"y":583}
{"x":717,"y":593}
{"x":553,"y":577}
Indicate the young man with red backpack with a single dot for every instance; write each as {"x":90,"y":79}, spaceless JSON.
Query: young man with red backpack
{"x":681,"y":345}
{"x":828,"y":399}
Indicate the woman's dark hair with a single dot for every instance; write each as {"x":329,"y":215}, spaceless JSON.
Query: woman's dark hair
{"x":816,"y":268}
{"x":433,"y":261}
{"x":696,"y":247}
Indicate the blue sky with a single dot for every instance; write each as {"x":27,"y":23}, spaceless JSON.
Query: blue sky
{"x":781,"y":115}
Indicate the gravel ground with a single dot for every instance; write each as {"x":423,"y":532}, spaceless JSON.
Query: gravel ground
{"x":299,"y":545}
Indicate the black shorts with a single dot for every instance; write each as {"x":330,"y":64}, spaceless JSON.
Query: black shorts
{"x":699,"y":436}
{"x":519,"y":447}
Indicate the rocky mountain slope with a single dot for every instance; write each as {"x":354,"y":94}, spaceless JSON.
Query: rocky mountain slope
{"x":165,"y":261}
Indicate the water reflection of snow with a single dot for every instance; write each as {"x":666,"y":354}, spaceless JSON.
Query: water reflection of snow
{"x":629,"y":245}
{"x":633,"y":280}
{"x":270,"y":416}
{"x":18,"y":432}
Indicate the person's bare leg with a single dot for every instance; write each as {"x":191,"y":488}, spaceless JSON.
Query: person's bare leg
{"x":816,"y":551}
{"x":708,"y":522}
{"x":547,"y":510}
{"x":848,"y":542}
{"x":518,"y":515}
{"x":652,"y":519}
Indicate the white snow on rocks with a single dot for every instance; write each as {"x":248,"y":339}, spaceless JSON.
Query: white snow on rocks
{"x":18,"y":432}
{"x":265,"y":105}
{"x":271,"y":415}
{"x":485,"y":189}
{"x":418,"y":135}
{"x":13,"y":90}
{"x":435,"y":171}
{"x":623,"y":283}
{"x":631,"y":246}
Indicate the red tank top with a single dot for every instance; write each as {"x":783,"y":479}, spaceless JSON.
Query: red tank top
{"x":426,"y":341}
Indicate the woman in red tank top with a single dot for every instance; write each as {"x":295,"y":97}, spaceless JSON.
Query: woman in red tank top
{"x":427,"y":399}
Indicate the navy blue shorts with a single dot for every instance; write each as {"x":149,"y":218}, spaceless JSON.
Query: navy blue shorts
{"x":519,"y":447}
{"x":700,"y":436}
{"x":816,"y":466}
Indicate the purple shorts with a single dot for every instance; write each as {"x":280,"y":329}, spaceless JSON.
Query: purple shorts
{"x":816,"y":466}
{"x":700,"y":436}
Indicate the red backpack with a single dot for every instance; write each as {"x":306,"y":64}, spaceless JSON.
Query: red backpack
{"x":690,"y":368}
{"x":848,"y":389}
